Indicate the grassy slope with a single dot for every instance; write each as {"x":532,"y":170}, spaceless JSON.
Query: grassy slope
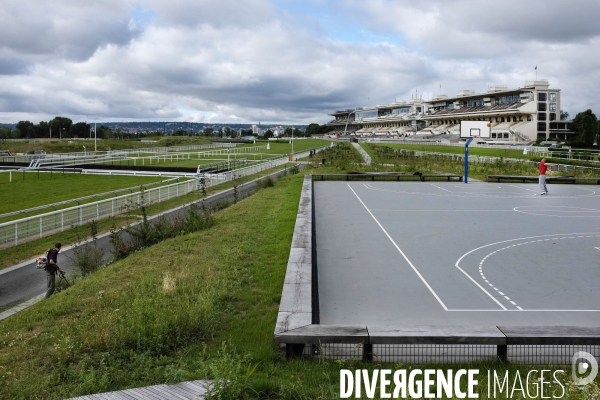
{"x":32,"y":191}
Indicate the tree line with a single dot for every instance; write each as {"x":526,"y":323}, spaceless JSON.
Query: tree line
{"x":586,"y":127}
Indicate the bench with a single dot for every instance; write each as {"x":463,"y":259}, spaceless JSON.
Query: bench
{"x":458,"y":178}
{"x":550,"y":179}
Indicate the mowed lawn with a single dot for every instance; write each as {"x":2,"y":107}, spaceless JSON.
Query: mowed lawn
{"x":286,"y":148}
{"x":27,"y":190}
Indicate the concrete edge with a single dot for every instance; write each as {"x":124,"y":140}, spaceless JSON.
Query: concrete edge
{"x":295,"y":306}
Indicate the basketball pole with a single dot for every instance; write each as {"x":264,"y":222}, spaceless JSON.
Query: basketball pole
{"x":467,"y":159}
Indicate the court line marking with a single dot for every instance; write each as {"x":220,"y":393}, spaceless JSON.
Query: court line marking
{"x":558,"y":209}
{"x":531,"y":190}
{"x":481,"y":263}
{"x":400,"y":250}
{"x":501,"y":196}
{"x":449,"y":191}
{"x":521,"y":310}
{"x":473,"y":210}
{"x":506,"y":241}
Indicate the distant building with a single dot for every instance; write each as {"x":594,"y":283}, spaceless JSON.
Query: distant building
{"x":523,"y":114}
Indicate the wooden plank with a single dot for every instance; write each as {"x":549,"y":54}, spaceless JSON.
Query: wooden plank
{"x":426,"y":334}
{"x":551,"y":335}
{"x":168,"y":393}
{"x":314,"y":334}
{"x":144,"y":393}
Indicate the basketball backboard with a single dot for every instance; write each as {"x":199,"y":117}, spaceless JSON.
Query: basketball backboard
{"x":475,"y":128}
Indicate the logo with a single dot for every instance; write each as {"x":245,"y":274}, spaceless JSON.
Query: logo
{"x":584,"y":364}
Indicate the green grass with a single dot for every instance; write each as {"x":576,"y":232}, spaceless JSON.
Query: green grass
{"x":286,"y":148}
{"x":69,"y":146}
{"x":198,"y":306}
{"x":476,"y":151}
{"x":30,"y":189}
{"x":27,"y":251}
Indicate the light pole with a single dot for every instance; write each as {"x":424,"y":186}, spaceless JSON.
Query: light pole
{"x":292,"y":143}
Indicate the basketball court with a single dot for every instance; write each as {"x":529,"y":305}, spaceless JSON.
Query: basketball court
{"x":447,"y":253}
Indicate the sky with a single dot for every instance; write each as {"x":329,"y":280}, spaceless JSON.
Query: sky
{"x":286,"y":61}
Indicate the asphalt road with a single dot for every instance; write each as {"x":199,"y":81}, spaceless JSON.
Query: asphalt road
{"x":23,"y":282}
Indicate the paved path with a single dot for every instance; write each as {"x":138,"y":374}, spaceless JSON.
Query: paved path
{"x":363,"y":153}
{"x":177,"y":391}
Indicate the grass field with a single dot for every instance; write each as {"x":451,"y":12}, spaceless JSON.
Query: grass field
{"x":29,"y":250}
{"x":476,"y":151}
{"x":69,"y":146}
{"x":31,"y":189}
{"x":198,"y":306}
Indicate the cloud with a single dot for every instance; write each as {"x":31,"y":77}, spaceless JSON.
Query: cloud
{"x":249,"y":61}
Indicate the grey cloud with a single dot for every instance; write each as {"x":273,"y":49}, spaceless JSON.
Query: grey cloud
{"x":65,"y":29}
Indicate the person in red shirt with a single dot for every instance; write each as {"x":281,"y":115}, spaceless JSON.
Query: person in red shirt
{"x":543,"y":169}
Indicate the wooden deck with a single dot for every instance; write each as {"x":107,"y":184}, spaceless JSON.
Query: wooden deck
{"x":192,"y":390}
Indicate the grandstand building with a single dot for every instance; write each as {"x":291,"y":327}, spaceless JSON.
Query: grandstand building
{"x":520,"y":115}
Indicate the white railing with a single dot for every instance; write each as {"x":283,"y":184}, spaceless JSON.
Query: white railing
{"x":15,"y":232}
{"x":18,"y":231}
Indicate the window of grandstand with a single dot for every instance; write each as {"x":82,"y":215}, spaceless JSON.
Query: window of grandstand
{"x":475,"y":103}
{"x":493,"y":135}
{"x":542,"y":126}
{"x":541,"y":106}
{"x":541,"y":116}
{"x":366,"y":114}
{"x":521,"y":118}
{"x":514,"y":119}
{"x":384,"y":112}
{"x":552,"y":106}
{"x":402,"y":110}
{"x":529,"y":118}
{"x":542,"y":96}
{"x":552,"y":96}
{"x":505,"y":135}
{"x":419,"y":109}
{"x":451,"y":106}
{"x":541,"y":135}
{"x":552,"y":116}
{"x":508,"y":99}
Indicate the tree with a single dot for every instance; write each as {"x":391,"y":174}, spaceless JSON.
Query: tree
{"x":311,"y":129}
{"x":268,"y":134}
{"x":564,"y":115}
{"x":287,"y":131}
{"x":208,"y":131}
{"x":585,"y":125}
{"x":81,"y":130}
{"x":61,"y":124}
{"x":180,"y":132}
{"x":26,"y":129}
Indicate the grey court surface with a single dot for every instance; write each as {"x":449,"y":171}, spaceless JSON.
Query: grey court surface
{"x":445,"y":253}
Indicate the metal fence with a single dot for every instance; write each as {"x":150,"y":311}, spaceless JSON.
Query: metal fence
{"x":90,"y":155}
{"x":449,"y":353}
{"x":18,"y":231}
{"x":15,"y":232}
{"x":560,"y":168}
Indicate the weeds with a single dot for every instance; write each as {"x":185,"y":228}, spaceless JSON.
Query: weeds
{"x":88,"y":257}
{"x":146,"y":233}
{"x":265,"y":183}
